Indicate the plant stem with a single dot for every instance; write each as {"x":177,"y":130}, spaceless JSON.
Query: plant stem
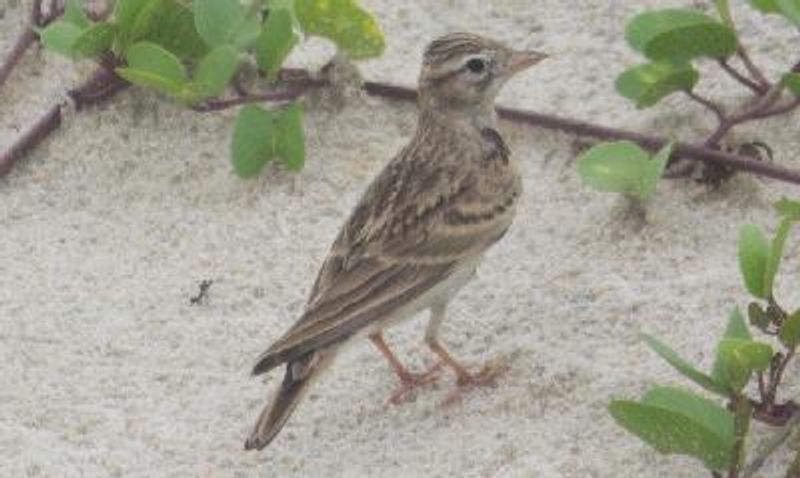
{"x":755,"y":72}
{"x":708,"y":104}
{"x":742,"y":411}
{"x":734,"y":73}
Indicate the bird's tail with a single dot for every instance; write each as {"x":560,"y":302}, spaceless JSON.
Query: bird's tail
{"x":300,"y":374}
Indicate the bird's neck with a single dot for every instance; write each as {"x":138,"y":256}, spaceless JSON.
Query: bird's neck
{"x":467,"y":120}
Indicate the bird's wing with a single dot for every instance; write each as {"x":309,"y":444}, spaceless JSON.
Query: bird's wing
{"x":406,"y":235}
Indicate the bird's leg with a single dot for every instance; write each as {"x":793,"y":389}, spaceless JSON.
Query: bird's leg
{"x":465,"y":379}
{"x":409,"y":381}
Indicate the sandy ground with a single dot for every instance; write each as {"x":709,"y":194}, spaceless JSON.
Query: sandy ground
{"x":109,"y":227}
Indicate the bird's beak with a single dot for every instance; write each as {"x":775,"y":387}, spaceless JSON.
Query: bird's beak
{"x":522,"y":60}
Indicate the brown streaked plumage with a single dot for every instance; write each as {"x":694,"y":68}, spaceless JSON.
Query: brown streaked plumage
{"x":418,"y":232}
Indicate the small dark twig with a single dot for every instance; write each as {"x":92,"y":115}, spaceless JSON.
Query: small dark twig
{"x":736,"y":75}
{"x":755,"y":72}
{"x":708,"y":104}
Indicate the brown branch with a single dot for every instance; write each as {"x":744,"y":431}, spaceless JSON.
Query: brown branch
{"x":103,"y":84}
{"x":551,"y":122}
{"x":41,"y":129}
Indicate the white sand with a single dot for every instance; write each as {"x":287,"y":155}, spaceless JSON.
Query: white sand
{"x":108,"y":228}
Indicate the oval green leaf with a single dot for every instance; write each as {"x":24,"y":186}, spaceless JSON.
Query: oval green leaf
{"x":647,"y":84}
{"x":754,"y":253}
{"x":218,"y":21}
{"x":216,"y":70}
{"x":150,"y":65}
{"x":738,"y":359}
{"x":60,"y":37}
{"x":253,"y":143}
{"x":621,"y":167}
{"x":674,"y":421}
{"x":94,"y":40}
{"x":275,"y":42}
{"x":678,"y":35}
{"x":344,"y":22}
{"x":169,"y":23}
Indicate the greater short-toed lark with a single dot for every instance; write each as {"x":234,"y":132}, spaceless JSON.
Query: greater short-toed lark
{"x":419,"y":231}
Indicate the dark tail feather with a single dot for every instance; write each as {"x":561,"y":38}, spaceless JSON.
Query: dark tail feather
{"x":299,"y":376}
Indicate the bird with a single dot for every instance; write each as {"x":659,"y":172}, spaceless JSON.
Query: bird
{"x":417,"y":233}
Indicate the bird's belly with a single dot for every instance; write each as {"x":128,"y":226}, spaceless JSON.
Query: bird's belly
{"x":441,"y":292}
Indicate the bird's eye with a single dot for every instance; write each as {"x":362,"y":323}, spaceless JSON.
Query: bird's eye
{"x":476,"y":65}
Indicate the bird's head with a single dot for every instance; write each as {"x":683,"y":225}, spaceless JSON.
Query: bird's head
{"x":464,"y":72}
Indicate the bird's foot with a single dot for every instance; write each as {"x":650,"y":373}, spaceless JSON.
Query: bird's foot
{"x":466,"y":382}
{"x":410,"y":382}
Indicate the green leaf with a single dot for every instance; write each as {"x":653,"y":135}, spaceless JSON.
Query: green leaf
{"x":621,"y":167}
{"x":738,"y":359}
{"x":684,"y":367}
{"x":75,"y":13}
{"x":216,"y":70}
{"x":151,"y":65}
{"x":675,"y":421}
{"x":276,"y":41}
{"x":677,"y":35}
{"x":790,"y":9}
{"x":344,"y":22}
{"x":253,"y":142}
{"x":170,"y":24}
{"x":788,"y":208}
{"x":290,"y":137}
{"x":60,"y":37}
{"x":792,"y":82}
{"x":776,"y":253}
{"x":754,"y":253}
{"x":218,"y":21}
{"x":94,"y":40}
{"x":736,"y":329}
{"x":647,"y":84}
{"x":790,"y":331}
